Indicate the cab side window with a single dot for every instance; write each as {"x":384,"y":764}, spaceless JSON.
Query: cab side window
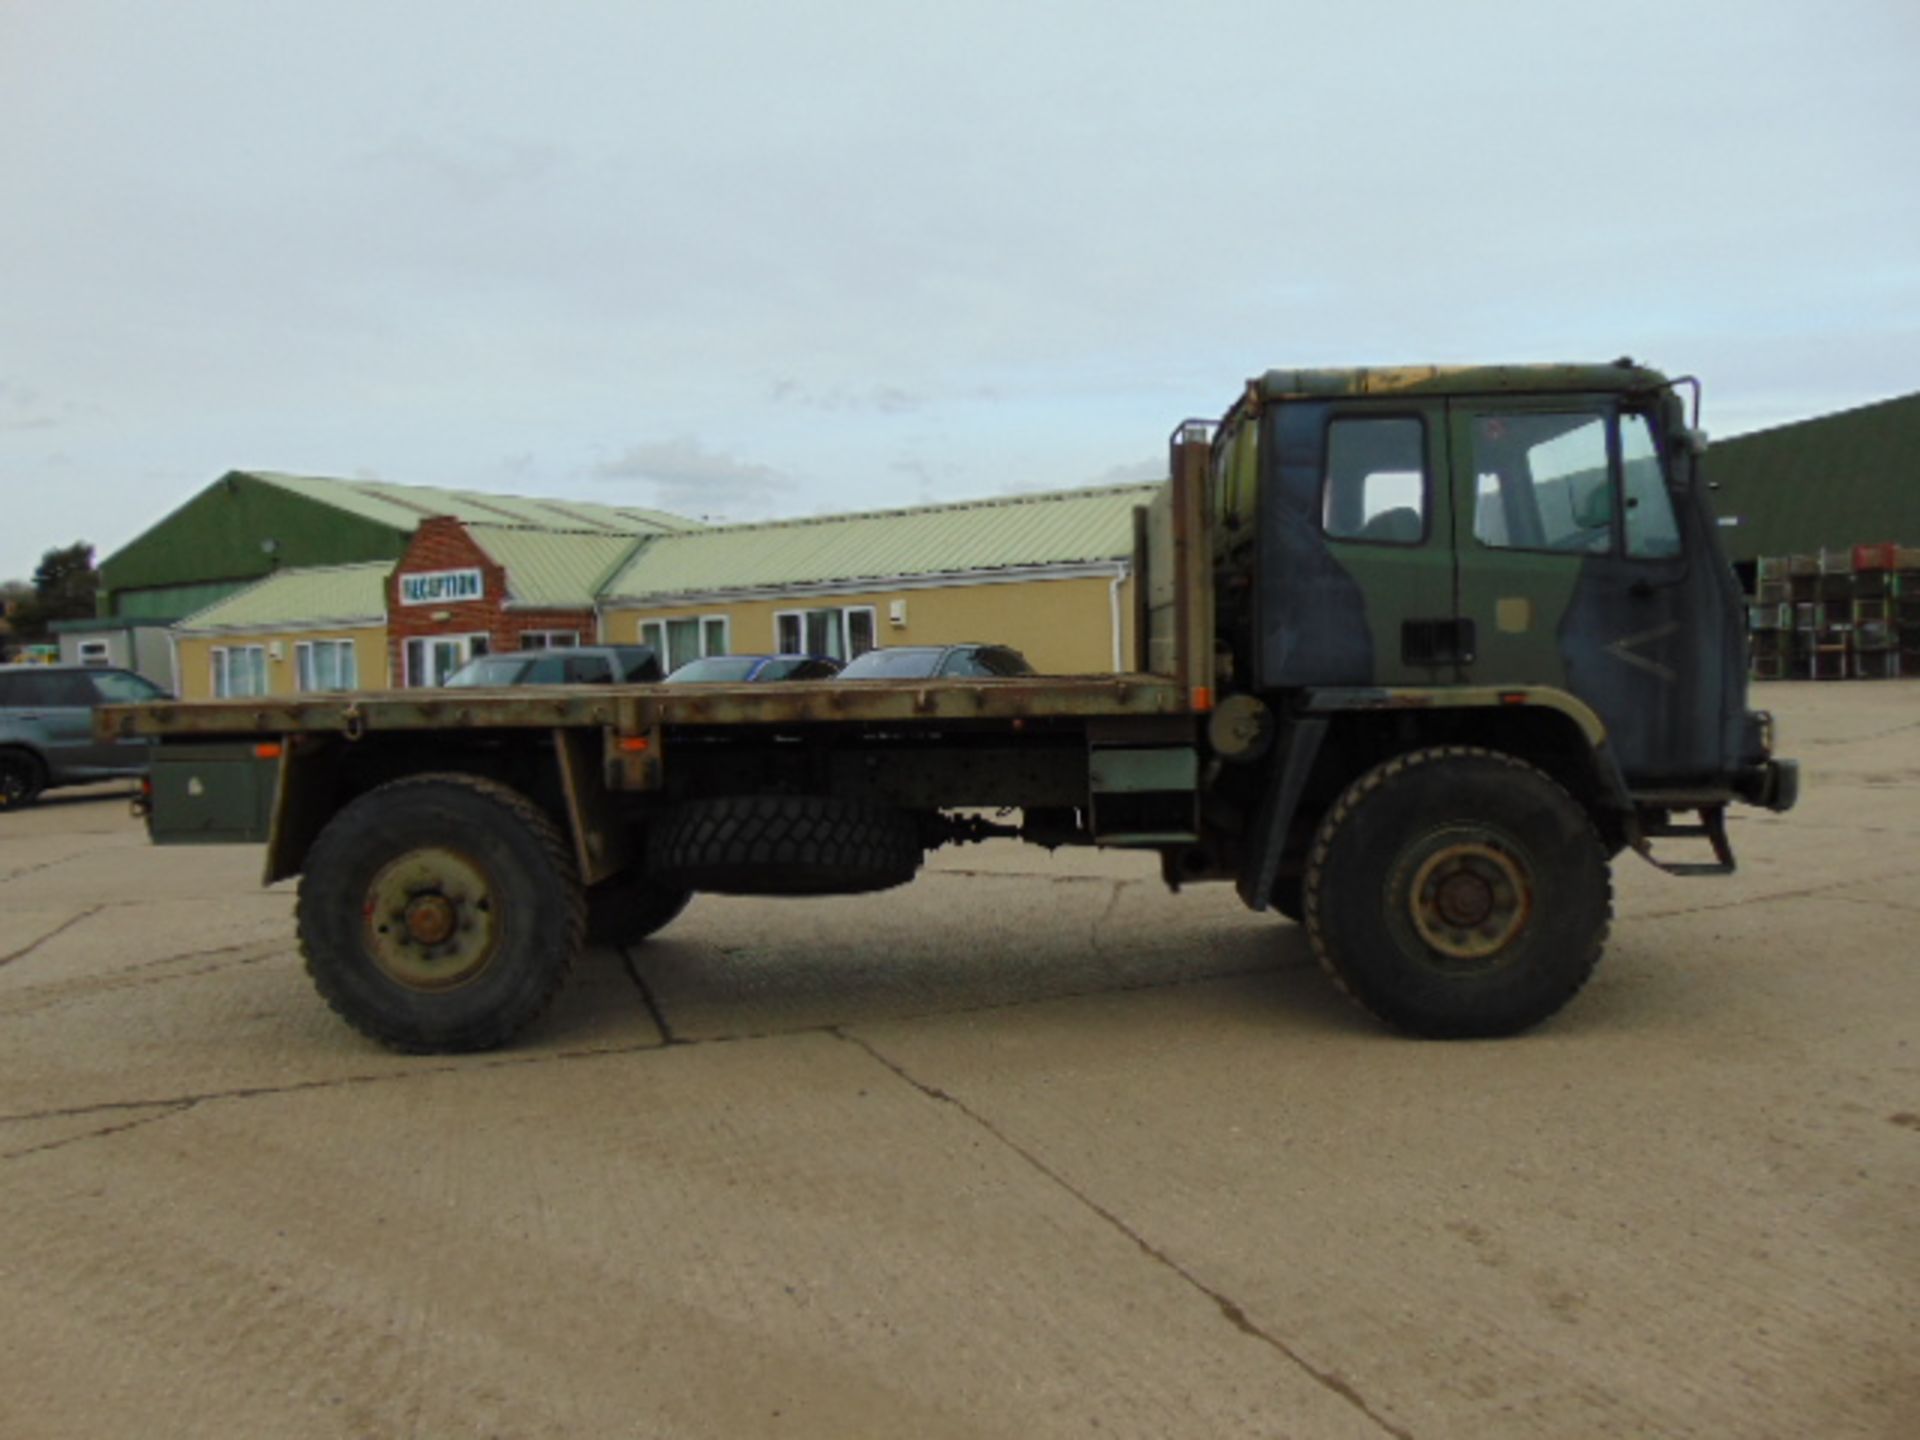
{"x":1375,"y":487}
{"x":1653,"y":531}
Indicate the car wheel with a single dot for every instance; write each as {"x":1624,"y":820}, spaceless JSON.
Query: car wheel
{"x":22,"y":778}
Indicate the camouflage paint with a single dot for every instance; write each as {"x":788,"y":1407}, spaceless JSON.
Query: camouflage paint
{"x":1648,"y":644}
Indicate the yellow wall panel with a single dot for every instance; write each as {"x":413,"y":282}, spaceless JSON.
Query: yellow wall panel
{"x":195,"y":670}
{"x":1065,"y":627}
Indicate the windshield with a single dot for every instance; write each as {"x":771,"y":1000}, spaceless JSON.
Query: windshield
{"x":715,"y":668}
{"x":901,"y":662}
{"x":121,"y":687}
{"x":491,"y":670}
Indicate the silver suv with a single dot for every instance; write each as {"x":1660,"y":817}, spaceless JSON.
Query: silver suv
{"x":46,"y":728}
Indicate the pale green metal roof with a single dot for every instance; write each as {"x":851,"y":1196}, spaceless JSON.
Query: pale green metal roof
{"x":405,"y":506}
{"x":1066,"y":527}
{"x":317,"y":597}
{"x":549,"y":567}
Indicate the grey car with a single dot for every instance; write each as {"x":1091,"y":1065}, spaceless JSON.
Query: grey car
{"x":936,"y":662}
{"x":564,"y":665}
{"x":46,"y":728}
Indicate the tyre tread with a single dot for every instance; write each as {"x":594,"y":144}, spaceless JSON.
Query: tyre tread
{"x":1372,"y":781}
{"x":540,"y":825}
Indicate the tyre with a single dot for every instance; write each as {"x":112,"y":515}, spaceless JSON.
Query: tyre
{"x":440,"y":913}
{"x":1288,"y":898}
{"x":629,"y":907}
{"x":1457,"y":892}
{"x":784,"y":845}
{"x":22,"y":778}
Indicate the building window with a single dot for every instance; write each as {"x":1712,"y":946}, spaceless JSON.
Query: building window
{"x":430,"y":659}
{"x":94,"y":652}
{"x":548,"y":639}
{"x":326,"y":665}
{"x":839,"y":633}
{"x":239,"y":670}
{"x":677,"y":642}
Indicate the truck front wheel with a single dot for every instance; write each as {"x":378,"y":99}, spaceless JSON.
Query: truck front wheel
{"x":440,"y":913}
{"x":1458,"y":892}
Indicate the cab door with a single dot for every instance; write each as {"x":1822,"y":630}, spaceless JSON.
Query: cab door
{"x":1572,"y":572}
{"x":1357,"y":547}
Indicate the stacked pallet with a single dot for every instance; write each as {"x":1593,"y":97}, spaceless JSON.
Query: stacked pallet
{"x":1837,"y":615}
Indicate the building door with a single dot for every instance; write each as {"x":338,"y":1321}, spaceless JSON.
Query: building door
{"x":430,"y":659}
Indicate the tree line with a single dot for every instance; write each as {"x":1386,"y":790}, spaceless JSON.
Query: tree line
{"x":63,"y":588}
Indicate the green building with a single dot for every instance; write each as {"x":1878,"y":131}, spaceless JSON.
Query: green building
{"x":1831,"y":483}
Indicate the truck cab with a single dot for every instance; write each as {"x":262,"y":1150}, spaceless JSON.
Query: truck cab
{"x":1530,"y":541}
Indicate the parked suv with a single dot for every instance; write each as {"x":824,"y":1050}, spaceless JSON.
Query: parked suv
{"x":46,"y":728}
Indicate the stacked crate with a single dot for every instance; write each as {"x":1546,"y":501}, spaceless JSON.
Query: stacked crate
{"x":1837,"y":614}
{"x":1770,"y":619}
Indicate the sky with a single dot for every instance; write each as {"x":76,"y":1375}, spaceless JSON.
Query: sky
{"x":747,"y":260}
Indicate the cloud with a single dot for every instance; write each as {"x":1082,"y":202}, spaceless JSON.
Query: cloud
{"x":838,"y":399}
{"x":24,"y":409}
{"x":473,"y":168}
{"x":686,"y":478}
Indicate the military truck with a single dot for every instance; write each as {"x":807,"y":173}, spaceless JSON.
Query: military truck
{"x":1417,"y":652}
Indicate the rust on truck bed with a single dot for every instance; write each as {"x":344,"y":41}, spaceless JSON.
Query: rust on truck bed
{"x":635,"y":708}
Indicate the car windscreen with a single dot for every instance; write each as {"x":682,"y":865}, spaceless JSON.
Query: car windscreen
{"x":492,"y":670}
{"x":714,"y":668}
{"x":902,"y":662}
{"x":123,"y":687}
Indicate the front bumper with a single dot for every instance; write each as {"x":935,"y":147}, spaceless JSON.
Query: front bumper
{"x":1772,"y":785}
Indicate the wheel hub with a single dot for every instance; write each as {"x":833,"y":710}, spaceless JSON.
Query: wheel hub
{"x":1470,"y":900}
{"x":430,"y":919}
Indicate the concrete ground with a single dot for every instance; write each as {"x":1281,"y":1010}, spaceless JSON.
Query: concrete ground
{"x":1028,"y":1148}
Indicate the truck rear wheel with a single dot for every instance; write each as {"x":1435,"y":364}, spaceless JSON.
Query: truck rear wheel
{"x":626,"y":908}
{"x":440,"y":913}
{"x":1458,"y":892}
{"x":784,"y":845}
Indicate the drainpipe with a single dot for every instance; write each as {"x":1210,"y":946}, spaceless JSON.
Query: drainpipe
{"x":1113,"y":609}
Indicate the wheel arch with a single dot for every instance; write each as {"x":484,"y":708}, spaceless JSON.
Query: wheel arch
{"x":1339,"y":735}
{"x":557,"y":771}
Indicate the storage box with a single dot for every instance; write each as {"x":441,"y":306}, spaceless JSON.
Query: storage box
{"x":1830,"y":663}
{"x":1884,"y":556}
{"x":1874,"y":635}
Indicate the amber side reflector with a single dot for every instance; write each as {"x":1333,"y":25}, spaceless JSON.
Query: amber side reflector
{"x":1513,"y":697}
{"x":633,"y":744}
{"x":1203,"y":697}
{"x":268,"y":750}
